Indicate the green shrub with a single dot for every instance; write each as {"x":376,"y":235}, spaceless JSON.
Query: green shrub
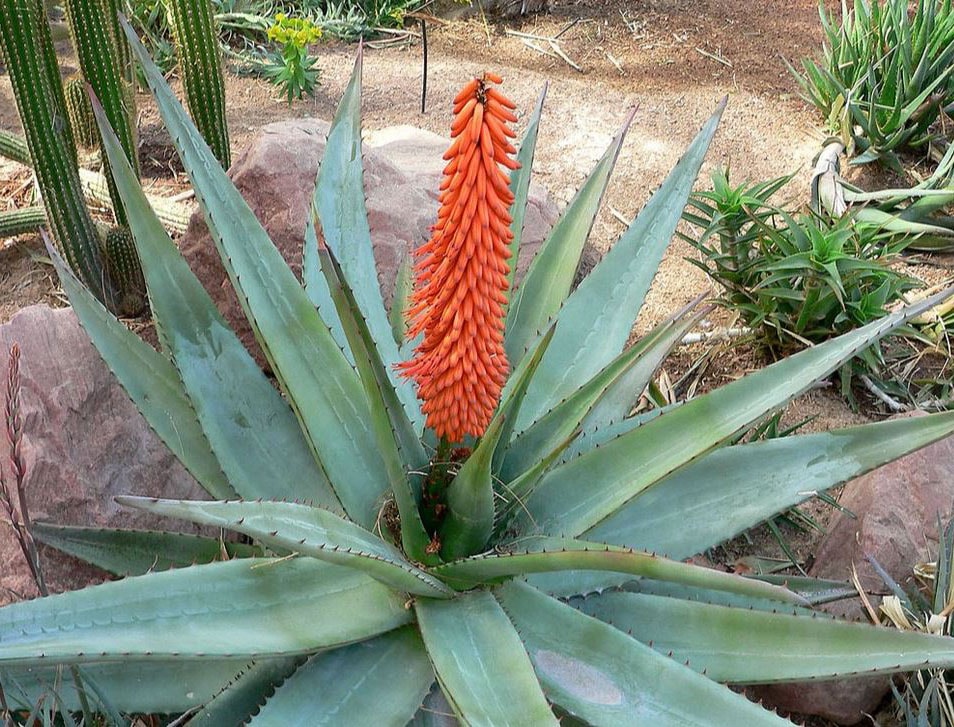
{"x":885,"y":75}
{"x":292,"y":68}
{"x":796,"y":278}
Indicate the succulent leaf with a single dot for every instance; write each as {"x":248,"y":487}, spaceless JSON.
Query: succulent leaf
{"x":306,"y":530}
{"x":598,"y":317}
{"x":250,"y":428}
{"x":245,"y":694}
{"x":151,"y":381}
{"x":347,"y":686}
{"x":343,"y":224}
{"x":520,"y":183}
{"x":403,"y":286}
{"x":598,"y":673}
{"x":738,"y":487}
{"x":242,"y":608}
{"x":155,"y":686}
{"x":399,"y":446}
{"x":542,"y":555}
{"x":481,"y":665}
{"x":470,"y":496}
{"x":622,"y":380}
{"x":538,"y":298}
{"x":739,"y":645}
{"x":322,"y":387}
{"x":136,"y":552}
{"x":620,"y":470}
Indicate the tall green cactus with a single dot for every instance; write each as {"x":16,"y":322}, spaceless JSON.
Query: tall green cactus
{"x":40,"y":101}
{"x":201,"y":66}
{"x":95,"y":45}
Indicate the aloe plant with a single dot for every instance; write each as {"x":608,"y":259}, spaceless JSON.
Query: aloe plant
{"x":349,"y":607}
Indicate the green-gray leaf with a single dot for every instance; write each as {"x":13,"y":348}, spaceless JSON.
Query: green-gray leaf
{"x":577,"y":496}
{"x":343,"y":221}
{"x":151,"y":381}
{"x":380,"y":682}
{"x":480,"y":663}
{"x":747,"y":646}
{"x":735,"y":488}
{"x":161,"y":686}
{"x":544,"y":555}
{"x":242,"y":608}
{"x":306,"y":530}
{"x":548,"y":281}
{"x":598,"y":317}
{"x":249,"y":426}
{"x":603,"y":676}
{"x":322,"y":388}
{"x":135,"y":552}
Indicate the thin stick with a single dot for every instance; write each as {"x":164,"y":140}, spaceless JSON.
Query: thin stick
{"x":718,"y":59}
{"x":892,"y":404}
{"x":559,"y":51}
{"x":566,"y":28}
{"x":424,"y":79}
{"x":720,"y":334}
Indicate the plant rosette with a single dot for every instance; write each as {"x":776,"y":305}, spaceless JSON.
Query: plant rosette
{"x":535,"y":568}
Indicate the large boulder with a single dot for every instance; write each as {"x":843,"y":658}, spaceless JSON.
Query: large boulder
{"x":896,"y":510}
{"x":402,"y":169}
{"x":83,"y":443}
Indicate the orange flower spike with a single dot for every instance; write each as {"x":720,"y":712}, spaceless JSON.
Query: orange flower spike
{"x":461,"y":275}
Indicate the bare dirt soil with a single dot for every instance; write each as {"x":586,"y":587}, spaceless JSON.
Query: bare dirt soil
{"x":671,"y":60}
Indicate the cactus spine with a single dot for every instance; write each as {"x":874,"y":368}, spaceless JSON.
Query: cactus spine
{"x":39,"y":96}
{"x":16,"y":222}
{"x":201,"y":66}
{"x":80,"y":113}
{"x":125,"y":272}
{"x":99,"y":60}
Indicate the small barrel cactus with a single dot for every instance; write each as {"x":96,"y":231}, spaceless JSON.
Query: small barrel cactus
{"x":124,"y":271}
{"x":80,"y":113}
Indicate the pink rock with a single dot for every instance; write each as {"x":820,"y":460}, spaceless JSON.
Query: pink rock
{"x":897,"y":508}
{"x":83,"y":443}
{"x":276,"y":176}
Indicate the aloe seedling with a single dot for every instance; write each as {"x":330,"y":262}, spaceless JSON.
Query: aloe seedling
{"x":379,"y":578}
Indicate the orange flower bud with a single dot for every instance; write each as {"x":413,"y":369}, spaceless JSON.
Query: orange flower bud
{"x":461,"y":273}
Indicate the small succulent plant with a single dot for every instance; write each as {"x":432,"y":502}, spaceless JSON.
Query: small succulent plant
{"x":502,"y":573}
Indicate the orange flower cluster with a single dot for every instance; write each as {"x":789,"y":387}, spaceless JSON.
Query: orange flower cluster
{"x":461,"y":275}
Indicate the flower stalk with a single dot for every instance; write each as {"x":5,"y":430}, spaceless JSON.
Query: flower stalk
{"x":462,"y":272}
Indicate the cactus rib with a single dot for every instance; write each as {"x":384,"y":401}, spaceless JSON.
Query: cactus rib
{"x":201,"y":66}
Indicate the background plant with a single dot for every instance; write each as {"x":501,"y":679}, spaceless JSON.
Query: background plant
{"x":292,"y":68}
{"x":796,"y":278}
{"x":884,"y":79}
{"x":352,"y":581}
